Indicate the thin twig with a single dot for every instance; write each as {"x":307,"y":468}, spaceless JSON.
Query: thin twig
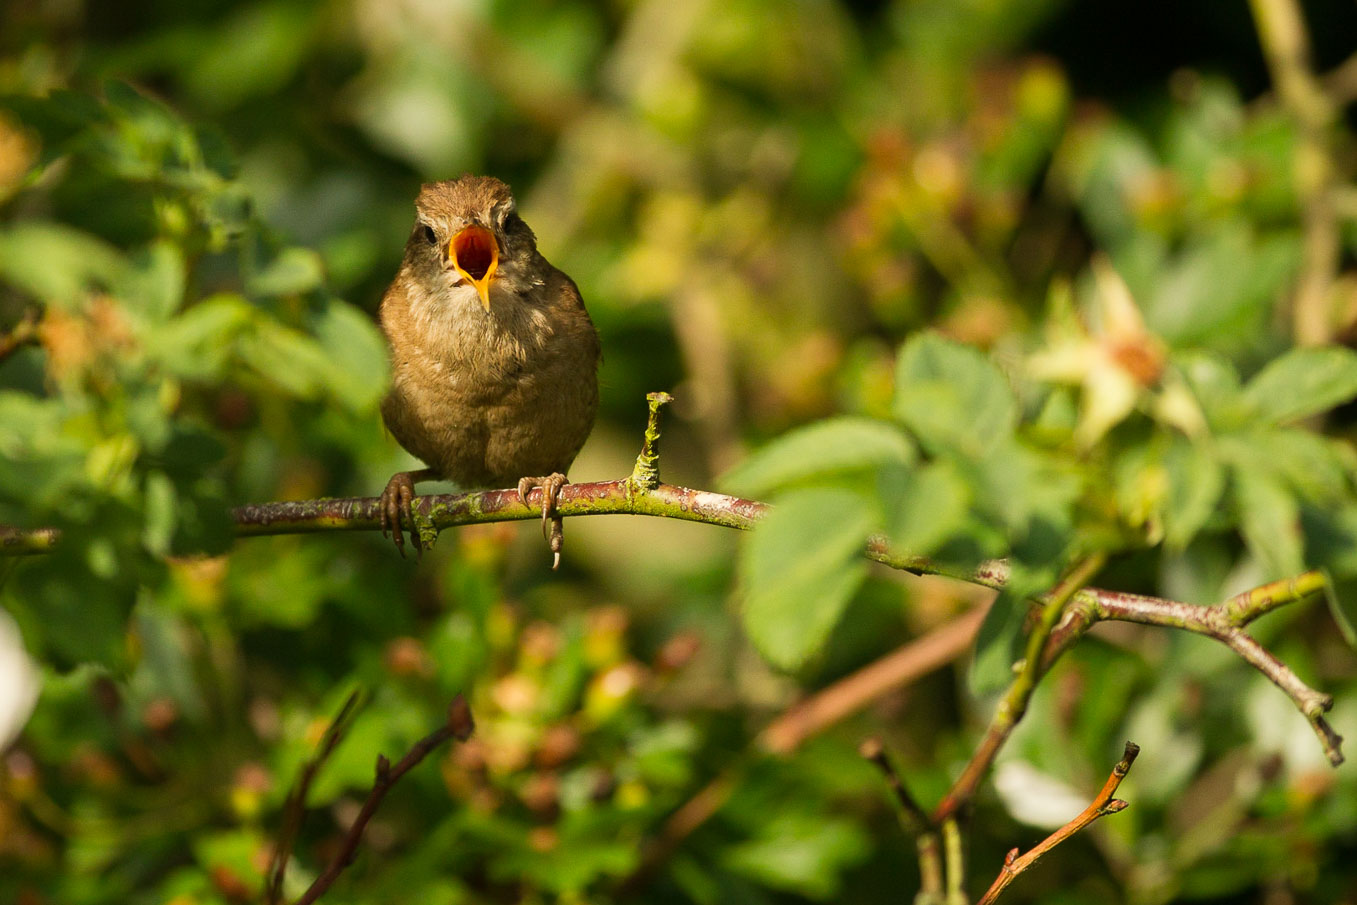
{"x":459,"y":725}
{"x":295,"y":807}
{"x":1014,"y":703}
{"x":916,"y":823}
{"x":1101,"y":806}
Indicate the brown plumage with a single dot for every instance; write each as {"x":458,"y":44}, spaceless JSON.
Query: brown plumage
{"x":494,"y":359}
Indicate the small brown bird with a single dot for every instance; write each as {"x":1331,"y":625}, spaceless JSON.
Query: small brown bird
{"x":494,"y":358}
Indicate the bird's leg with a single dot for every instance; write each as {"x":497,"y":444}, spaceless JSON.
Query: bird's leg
{"x":552,"y":528}
{"x":395,"y":504}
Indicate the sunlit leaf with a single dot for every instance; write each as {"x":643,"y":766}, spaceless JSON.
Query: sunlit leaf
{"x":821,"y":449}
{"x":1303,"y":382}
{"x":799,"y":568}
{"x":54,"y":262}
{"x":952,"y":396}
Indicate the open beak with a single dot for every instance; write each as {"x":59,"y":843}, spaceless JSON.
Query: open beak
{"x":474,"y":254}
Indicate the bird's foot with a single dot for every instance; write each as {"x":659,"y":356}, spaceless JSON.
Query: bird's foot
{"x":552,"y":528}
{"x":395,"y":506}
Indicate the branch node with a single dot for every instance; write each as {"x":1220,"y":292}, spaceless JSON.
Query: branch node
{"x":646,"y":474}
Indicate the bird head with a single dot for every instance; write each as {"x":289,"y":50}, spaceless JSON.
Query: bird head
{"x":468,"y":232}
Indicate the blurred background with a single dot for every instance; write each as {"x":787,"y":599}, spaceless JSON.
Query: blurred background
{"x":200,"y":206}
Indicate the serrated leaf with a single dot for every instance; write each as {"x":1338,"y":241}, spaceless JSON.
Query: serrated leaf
{"x":800,"y":566}
{"x":925,"y":507}
{"x":1303,"y":382}
{"x":1269,"y":519}
{"x":1313,"y":464}
{"x":1196,"y":481}
{"x":1215,"y":385}
{"x":828,"y":447}
{"x":952,"y":396}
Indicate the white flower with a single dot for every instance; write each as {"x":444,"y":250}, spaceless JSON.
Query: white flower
{"x":19,"y":682}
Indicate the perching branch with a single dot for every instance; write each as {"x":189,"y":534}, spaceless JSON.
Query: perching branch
{"x":1101,"y":806}
{"x":459,"y":725}
{"x":642,"y":493}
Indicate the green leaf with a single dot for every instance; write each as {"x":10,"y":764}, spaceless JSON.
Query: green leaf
{"x":998,"y":645}
{"x":1303,"y":382}
{"x":293,"y":271}
{"x":925,"y":507}
{"x":286,"y":357}
{"x":56,"y":263}
{"x":800,"y":566}
{"x":1270,"y":521}
{"x":832,"y":446}
{"x":154,"y":281}
{"x":1215,"y":384}
{"x":952,"y":396}
{"x":197,"y":344}
{"x":1341,"y":597}
{"x":1196,"y":481}
{"x":358,"y":373}
{"x":803,"y":853}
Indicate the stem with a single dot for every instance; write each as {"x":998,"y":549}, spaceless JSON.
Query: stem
{"x":1015,"y":700}
{"x":916,"y":823}
{"x":459,"y":725}
{"x":1103,"y":805}
{"x":295,"y":807}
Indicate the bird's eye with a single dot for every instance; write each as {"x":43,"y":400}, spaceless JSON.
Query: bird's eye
{"x":426,"y":233}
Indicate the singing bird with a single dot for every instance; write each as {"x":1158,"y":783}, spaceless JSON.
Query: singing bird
{"x":494,"y":358}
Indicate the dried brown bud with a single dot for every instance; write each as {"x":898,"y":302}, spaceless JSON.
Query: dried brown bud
{"x":459,"y":719}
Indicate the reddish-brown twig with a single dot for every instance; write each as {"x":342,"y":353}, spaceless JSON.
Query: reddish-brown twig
{"x":1101,"y":806}
{"x":295,"y":807}
{"x":459,"y":725}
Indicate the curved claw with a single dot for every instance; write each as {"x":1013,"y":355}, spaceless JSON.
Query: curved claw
{"x":395,"y":505}
{"x":552,"y":528}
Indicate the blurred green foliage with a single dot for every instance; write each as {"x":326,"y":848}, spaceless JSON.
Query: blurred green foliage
{"x":944,"y":290}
